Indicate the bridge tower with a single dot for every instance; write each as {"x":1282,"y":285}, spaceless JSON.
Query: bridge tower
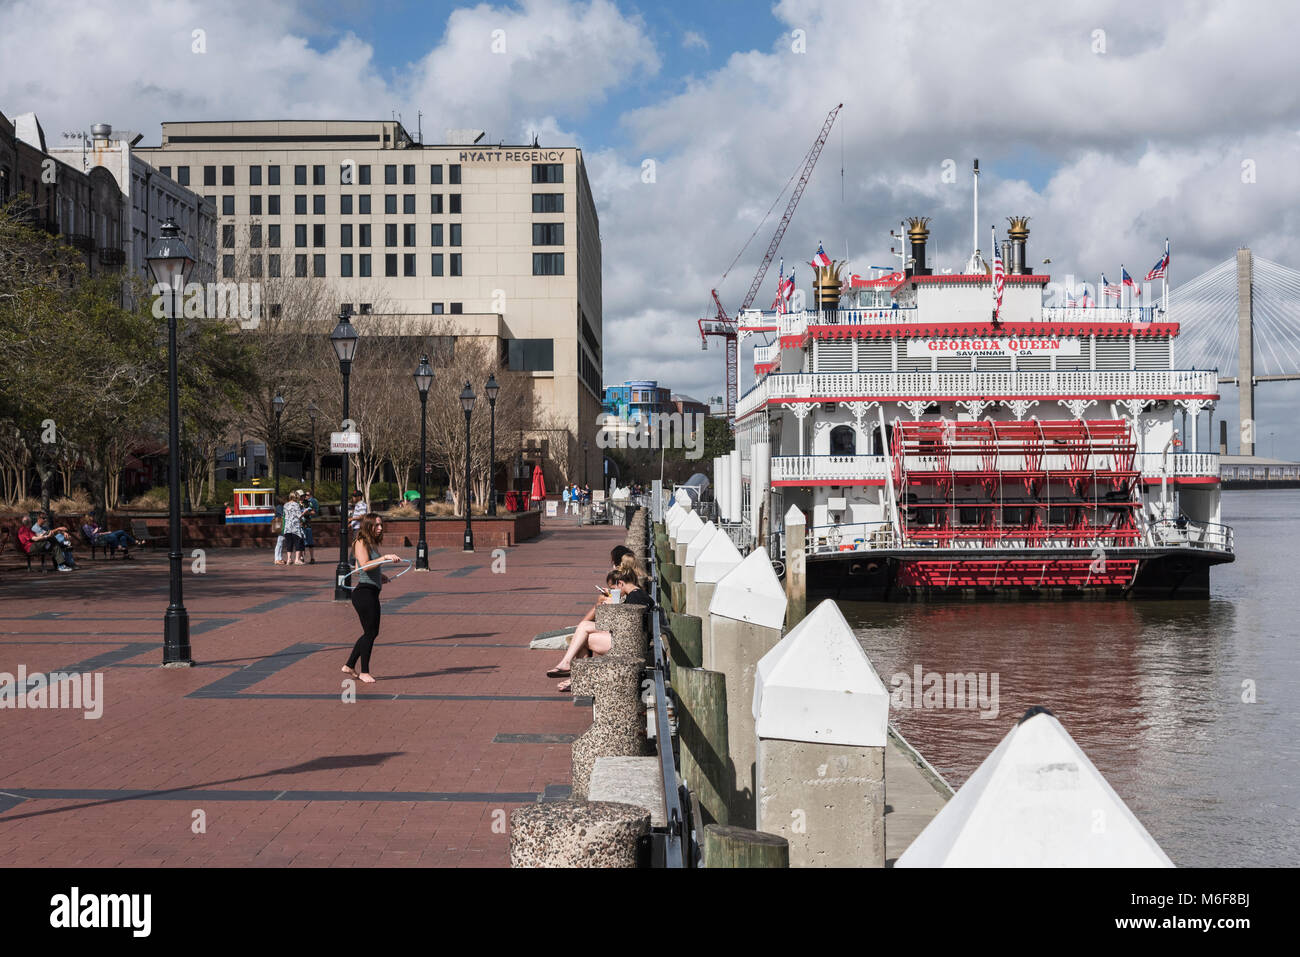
{"x":1245,"y":351}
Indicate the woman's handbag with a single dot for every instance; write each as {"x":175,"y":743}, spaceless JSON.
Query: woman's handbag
{"x":277,"y":526}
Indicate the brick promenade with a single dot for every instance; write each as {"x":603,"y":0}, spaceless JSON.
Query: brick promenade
{"x":423,"y":769}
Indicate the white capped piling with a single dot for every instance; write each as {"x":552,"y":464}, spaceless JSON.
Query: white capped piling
{"x":687,"y":529}
{"x":746,"y":614}
{"x":715,"y":562}
{"x":1036,"y":801}
{"x":693,"y":550}
{"x":657,"y":500}
{"x":796,"y":566}
{"x":676,"y":515}
{"x":734,"y":495}
{"x":821,"y":719}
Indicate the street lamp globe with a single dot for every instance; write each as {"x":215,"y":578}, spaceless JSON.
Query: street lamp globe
{"x":312,"y":410}
{"x":492,"y":388}
{"x":344,"y":338}
{"x":169,"y":260}
{"x":467,"y":398}
{"x":278,"y":402}
{"x":423,"y":375}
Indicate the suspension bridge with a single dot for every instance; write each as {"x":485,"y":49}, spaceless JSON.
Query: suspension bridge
{"x":1242,"y":315}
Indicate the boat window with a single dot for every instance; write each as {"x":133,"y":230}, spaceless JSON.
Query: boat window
{"x":843,"y":440}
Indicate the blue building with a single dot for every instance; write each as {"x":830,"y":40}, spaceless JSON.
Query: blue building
{"x":636,"y":399}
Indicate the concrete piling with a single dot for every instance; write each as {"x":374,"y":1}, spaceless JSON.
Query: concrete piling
{"x":689,"y":560}
{"x":618,"y":720}
{"x":821,"y":719}
{"x":577,"y":834}
{"x":796,"y":568}
{"x":715,"y":561}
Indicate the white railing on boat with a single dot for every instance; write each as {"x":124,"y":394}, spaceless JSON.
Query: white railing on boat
{"x":797,"y":323}
{"x":830,"y":386}
{"x":767,"y":353}
{"x":821,"y":469}
{"x":811,"y":468}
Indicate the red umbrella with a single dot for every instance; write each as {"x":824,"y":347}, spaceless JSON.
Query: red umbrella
{"x":539,"y":484}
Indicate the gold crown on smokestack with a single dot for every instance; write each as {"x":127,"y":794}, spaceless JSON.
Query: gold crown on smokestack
{"x":918,"y":228}
{"x":826,"y":284}
{"x":1018,"y":228}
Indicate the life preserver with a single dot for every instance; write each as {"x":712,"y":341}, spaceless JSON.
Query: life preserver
{"x":228,"y":512}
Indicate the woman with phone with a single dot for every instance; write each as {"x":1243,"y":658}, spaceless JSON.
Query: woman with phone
{"x":365,"y":595}
{"x":587,"y":640}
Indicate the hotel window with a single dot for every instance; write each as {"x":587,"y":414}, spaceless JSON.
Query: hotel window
{"x":548,"y":172}
{"x":345,"y":265}
{"x":548,"y":202}
{"x":530,"y":355}
{"x":255,"y":236}
{"x":363,"y":175}
{"x":390,"y":264}
{"x":300,"y":235}
{"x":318,"y":265}
{"x":228,"y":236}
{"x":437,"y":308}
{"x":227,"y":205}
{"x":436,"y":261}
{"x":300,"y":205}
{"x":548,"y":264}
{"x":390,"y":204}
{"x":273,"y":266}
{"x":408,"y":174}
{"x":318,"y":175}
{"x":453,"y":173}
{"x":165,"y":170}
{"x":209,"y":176}
{"x":183,"y":175}
{"x":435,"y":173}
{"x":390,"y":234}
{"x":363,"y":204}
{"x":345,"y":234}
{"x":254,"y":176}
{"x":454,"y":264}
{"x":345,"y":204}
{"x":364,"y":238}
{"x":255,"y":267}
{"x":435,"y":203}
{"x":318,"y":205}
{"x":390,"y":174}
{"x":300,"y":176}
{"x":455,"y":235}
{"x":408,"y":204}
{"x":273,"y":236}
{"x":408,"y":264}
{"x":363,"y":265}
{"x":365,"y":309}
{"x":548,"y":234}
{"x":453,"y":203}
{"x":457,"y":308}
{"x":435,"y":234}
{"x":227,"y":267}
{"x":408,"y":234}
{"x":227,"y":176}
{"x":273,"y":176}
{"x":318,"y":235}
{"x":300,"y":265}
{"x":273,"y":204}
{"x":255,"y":206}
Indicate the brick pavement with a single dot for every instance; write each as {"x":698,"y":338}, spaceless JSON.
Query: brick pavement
{"x":422,"y":769}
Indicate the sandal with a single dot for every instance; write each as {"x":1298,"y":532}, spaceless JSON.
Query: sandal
{"x":564,"y":686}
{"x":558,"y":673}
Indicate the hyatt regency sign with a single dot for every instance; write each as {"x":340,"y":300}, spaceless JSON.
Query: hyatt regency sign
{"x":513,"y":156}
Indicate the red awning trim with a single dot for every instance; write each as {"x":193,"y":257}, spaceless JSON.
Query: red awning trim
{"x":939,"y":330}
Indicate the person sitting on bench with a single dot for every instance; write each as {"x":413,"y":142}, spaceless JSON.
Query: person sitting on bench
{"x":586,"y":639}
{"x":111,"y":541}
{"x":35,"y":540}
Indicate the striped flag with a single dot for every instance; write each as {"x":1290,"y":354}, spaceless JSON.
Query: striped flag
{"x":999,"y":281}
{"x":1127,"y":280}
{"x":1109,"y":290}
{"x":1160,"y":269}
{"x":1086,"y":301}
{"x":821,"y":259}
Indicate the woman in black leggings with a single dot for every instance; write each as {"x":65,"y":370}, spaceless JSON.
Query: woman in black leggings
{"x":365,"y":595}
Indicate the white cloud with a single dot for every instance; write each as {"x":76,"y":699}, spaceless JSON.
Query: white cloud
{"x":692,"y":40}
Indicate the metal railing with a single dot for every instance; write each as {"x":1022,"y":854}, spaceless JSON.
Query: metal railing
{"x":792,"y":468}
{"x":676,"y":852}
{"x":1184,"y":533}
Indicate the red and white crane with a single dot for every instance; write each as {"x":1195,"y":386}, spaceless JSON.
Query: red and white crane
{"x":725,"y":326}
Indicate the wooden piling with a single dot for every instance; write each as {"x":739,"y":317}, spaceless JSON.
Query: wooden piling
{"x":740,"y":847}
{"x":702,"y":736}
{"x":685,"y":640}
{"x":796,"y":572}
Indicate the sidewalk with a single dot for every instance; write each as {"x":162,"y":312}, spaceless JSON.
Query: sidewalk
{"x":252,"y":757}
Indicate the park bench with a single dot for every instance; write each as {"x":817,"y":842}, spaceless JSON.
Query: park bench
{"x":140,"y":532}
{"x":10,"y":539}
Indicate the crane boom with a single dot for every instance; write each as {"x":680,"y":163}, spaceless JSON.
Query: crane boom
{"x":809,"y":163}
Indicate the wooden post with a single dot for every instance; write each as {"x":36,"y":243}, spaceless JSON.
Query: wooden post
{"x":677,"y":592}
{"x":685,"y":640}
{"x":702,"y":736}
{"x":796,"y":574}
{"x":739,"y":847}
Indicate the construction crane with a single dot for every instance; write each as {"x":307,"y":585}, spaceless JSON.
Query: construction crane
{"x":725,"y":326}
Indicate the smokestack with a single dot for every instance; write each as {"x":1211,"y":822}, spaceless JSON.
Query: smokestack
{"x":826,"y":289}
{"x":1019,"y":232}
{"x":918,"y":231}
{"x":1223,"y":436}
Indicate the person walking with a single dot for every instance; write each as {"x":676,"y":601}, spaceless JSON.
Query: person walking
{"x":359,"y":509}
{"x":311,"y":508}
{"x":565,"y":497}
{"x":277,"y":526}
{"x":293,"y":510}
{"x":365,"y":595}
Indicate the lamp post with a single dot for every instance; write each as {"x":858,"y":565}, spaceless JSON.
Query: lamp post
{"x":344,"y":341}
{"x":278,"y":402}
{"x":467,"y":403}
{"x":423,"y":376}
{"x":239,"y":459}
{"x":492,"y":389}
{"x":170,"y":262}
{"x":312,"y":412}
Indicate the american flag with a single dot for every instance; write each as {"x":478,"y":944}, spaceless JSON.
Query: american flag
{"x":1127,"y":280}
{"x":1160,"y":269}
{"x":821,"y":259}
{"x":779,"y":302}
{"x":999,"y":281}
{"x":1086,"y":300}
{"x":1109,"y":289}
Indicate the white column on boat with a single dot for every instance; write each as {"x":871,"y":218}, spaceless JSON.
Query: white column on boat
{"x":760,"y":475}
{"x":734,"y":501}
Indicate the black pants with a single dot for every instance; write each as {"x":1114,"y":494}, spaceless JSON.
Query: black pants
{"x":365,"y":599}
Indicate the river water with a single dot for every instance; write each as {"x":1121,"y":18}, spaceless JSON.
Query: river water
{"x":1153,"y":692}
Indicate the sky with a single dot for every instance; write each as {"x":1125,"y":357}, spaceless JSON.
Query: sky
{"x":1112,"y":125}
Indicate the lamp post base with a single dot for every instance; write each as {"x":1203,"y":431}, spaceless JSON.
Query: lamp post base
{"x":422,"y":556}
{"x":176,"y":639}
{"x":341,"y":591}
{"x":469,"y":540}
